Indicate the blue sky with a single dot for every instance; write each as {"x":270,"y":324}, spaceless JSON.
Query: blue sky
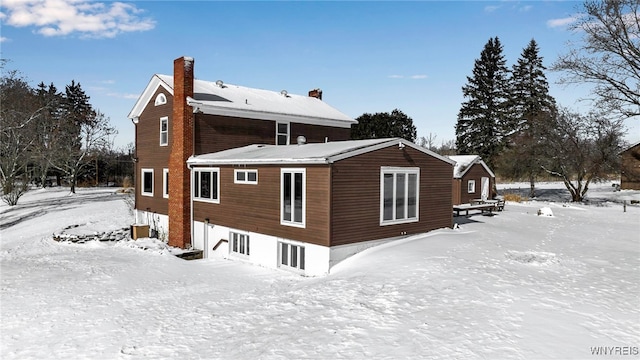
{"x":365,"y":56}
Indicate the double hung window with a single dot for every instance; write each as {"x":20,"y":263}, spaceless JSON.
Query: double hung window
{"x":164,"y":131}
{"x":292,"y":197}
{"x":471,"y":186}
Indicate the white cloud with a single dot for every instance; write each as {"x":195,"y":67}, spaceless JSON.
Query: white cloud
{"x":65,"y":17}
{"x":420,"y":76}
{"x":491,"y":8}
{"x":123,"y":96}
{"x":553,"y":23}
{"x":3,"y":39}
{"x":396,"y":76}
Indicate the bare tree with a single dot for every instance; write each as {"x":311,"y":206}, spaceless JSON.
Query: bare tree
{"x":18,"y":115}
{"x":582,"y":149}
{"x":608,"y":56}
{"x":428,"y":142}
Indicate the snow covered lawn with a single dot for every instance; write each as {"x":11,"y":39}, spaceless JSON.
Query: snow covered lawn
{"x":511,"y":286}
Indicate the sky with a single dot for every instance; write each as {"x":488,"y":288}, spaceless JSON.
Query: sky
{"x":367,"y":57}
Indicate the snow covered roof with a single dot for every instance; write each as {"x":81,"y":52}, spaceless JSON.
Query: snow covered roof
{"x":320,"y":153}
{"x":464,"y":162}
{"x":232,"y":100}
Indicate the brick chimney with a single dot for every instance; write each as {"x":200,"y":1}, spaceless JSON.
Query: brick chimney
{"x":181,"y":149}
{"x":316,"y":93}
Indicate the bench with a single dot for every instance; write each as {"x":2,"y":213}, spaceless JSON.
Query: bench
{"x":466,"y":207}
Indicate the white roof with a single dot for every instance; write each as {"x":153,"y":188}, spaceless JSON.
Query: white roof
{"x":320,"y":153}
{"x":239,"y":101}
{"x":465,"y":162}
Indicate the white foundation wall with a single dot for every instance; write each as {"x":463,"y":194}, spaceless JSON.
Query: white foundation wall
{"x":341,"y":252}
{"x":157,"y":222}
{"x":263,"y":249}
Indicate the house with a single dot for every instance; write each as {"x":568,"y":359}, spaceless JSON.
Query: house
{"x":221,"y":170}
{"x":277,"y":204}
{"x":630,"y":168}
{"x":472,"y":179}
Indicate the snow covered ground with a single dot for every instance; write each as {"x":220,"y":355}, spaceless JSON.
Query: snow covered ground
{"x":511,"y":286}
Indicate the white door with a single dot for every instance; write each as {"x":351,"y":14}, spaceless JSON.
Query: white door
{"x":485,"y":188}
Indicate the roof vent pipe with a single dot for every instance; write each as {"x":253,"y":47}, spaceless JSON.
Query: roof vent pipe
{"x":301,"y":140}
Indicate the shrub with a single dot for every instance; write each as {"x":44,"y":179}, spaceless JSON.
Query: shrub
{"x":515,"y":197}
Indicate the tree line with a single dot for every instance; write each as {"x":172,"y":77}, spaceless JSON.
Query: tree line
{"x":509,"y":118}
{"x":46,"y":133}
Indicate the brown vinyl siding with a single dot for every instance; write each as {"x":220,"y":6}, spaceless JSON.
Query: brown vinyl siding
{"x":215,"y":133}
{"x":630,"y":174}
{"x":150,"y":154}
{"x":256,"y":208}
{"x":355,"y":192}
{"x":477,"y":172}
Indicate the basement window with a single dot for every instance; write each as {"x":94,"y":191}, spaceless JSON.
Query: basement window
{"x":164,"y":131}
{"x":239,"y":244}
{"x":399,"y":195}
{"x":206,"y":185}
{"x":245,"y":177}
{"x":147,"y":182}
{"x":471,"y":186}
{"x":291,"y":256}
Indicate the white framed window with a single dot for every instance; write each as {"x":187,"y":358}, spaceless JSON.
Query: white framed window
{"x":239,"y":244}
{"x":146,"y":182}
{"x":165,"y":183}
{"x":245,"y":176}
{"x":293,"y":197}
{"x":161,"y":99}
{"x":282,"y":133}
{"x":164,"y":131}
{"x":399,"y":195}
{"x":206,"y":185}
{"x":291,"y":256}
{"x":471,"y":186}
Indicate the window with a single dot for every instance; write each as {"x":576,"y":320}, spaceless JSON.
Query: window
{"x":282,"y":133}
{"x":161,"y":99}
{"x":292,"y":197}
{"x":206,"y":185}
{"x":245,"y":176}
{"x":164,"y":131}
{"x":399,"y":195}
{"x":471,"y":186}
{"x":239,"y":244}
{"x":291,"y":256}
{"x":165,"y":183}
{"x":147,"y":182}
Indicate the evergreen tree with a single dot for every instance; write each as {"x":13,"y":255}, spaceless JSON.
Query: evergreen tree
{"x":532,"y":108}
{"x":484,"y":116}
{"x":384,"y":125}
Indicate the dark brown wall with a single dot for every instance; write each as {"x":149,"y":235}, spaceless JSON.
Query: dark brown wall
{"x":216,"y":133}
{"x":355,"y":210}
{"x":150,"y":154}
{"x":630,"y":174}
{"x":476,"y":173}
{"x":257,"y":207}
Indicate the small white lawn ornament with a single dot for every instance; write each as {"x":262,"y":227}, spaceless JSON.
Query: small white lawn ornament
{"x":545,"y":211}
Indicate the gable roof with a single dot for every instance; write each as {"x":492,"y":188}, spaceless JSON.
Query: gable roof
{"x":464,"y":162}
{"x":629,"y":147}
{"x":238,"y":101}
{"x":317,"y":153}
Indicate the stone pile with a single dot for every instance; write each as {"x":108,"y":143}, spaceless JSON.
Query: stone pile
{"x":115,"y":235}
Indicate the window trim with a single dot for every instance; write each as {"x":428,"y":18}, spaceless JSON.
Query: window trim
{"x":165,"y":183}
{"x":471,"y":186}
{"x":246,"y":177}
{"x":406,"y":171}
{"x":193,"y":186}
{"x":161,"y":99}
{"x":142,"y":172}
{"x":293,"y":223}
{"x":300,"y":255}
{"x":246,"y":244}
{"x":278,"y":133}
{"x":166,"y":132}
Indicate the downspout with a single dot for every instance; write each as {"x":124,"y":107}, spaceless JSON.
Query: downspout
{"x":191,"y":203}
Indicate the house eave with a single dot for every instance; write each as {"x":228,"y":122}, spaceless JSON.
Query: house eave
{"x":211,"y":109}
